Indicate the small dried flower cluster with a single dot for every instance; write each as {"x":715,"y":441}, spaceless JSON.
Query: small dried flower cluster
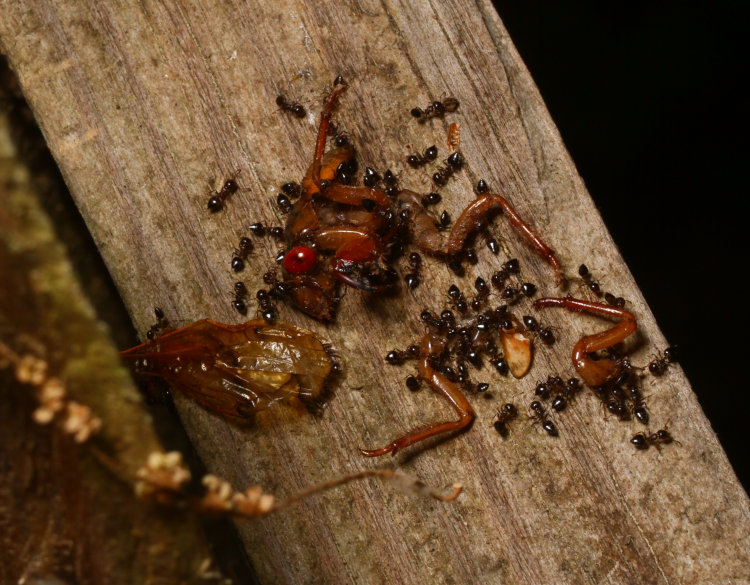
{"x":220,"y":497}
{"x":76,"y":420}
{"x":162,"y":478}
{"x":209,"y":573}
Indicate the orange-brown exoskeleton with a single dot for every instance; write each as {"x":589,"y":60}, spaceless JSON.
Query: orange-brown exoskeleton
{"x":237,"y":370}
{"x":595,"y":372}
{"x":339,"y":233}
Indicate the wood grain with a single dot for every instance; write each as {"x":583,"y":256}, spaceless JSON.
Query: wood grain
{"x":146,"y":106}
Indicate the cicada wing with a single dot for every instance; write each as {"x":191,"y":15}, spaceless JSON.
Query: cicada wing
{"x":191,"y":343}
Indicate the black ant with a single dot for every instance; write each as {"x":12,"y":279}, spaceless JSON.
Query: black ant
{"x":541,"y":416}
{"x":643,"y":441}
{"x":458,"y":298}
{"x":436,"y":109}
{"x":511,"y":294}
{"x":345,"y":172}
{"x":429,"y":155}
{"x":412,"y":278}
{"x":240,"y":294}
{"x":241,"y":254}
{"x":284,"y":203}
{"x":542,"y":390}
{"x":546,"y":335}
{"x":372,"y":177}
{"x":614,"y":400}
{"x":288,"y":192}
{"x":340,"y":138}
{"x":390,"y":181}
{"x":502,"y":417}
{"x":639,"y":406}
{"x":499,"y":277}
{"x":397,"y":357}
{"x":553,"y":384}
{"x":592,"y":285}
{"x":412,"y":383}
{"x":267,"y":308}
{"x":261,"y":230}
{"x":567,"y":392}
{"x":161,"y":325}
{"x":431,"y":199}
{"x":452,"y":164}
{"x":659,"y":365}
{"x":530,"y":323}
{"x":258,"y":229}
{"x":501,"y":365}
{"x":483,"y":291}
{"x":595,"y":288}
{"x":278,"y":289}
{"x":611,"y":299}
{"x":295,"y":109}
{"x":445,"y":220}
{"x":216,"y":201}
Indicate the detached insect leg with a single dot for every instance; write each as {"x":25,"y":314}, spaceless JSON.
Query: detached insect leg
{"x":431,"y":346}
{"x":325,"y":123}
{"x":595,"y":372}
{"x":476,"y":213}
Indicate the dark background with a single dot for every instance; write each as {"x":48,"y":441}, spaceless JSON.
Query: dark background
{"x":648,"y":99}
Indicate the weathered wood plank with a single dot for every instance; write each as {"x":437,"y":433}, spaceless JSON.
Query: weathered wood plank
{"x":145,"y":105}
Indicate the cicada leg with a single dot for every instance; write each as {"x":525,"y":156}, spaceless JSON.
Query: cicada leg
{"x":595,"y":372}
{"x":430,"y":346}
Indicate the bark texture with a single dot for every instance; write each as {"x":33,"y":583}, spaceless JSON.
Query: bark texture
{"x":146,"y":106}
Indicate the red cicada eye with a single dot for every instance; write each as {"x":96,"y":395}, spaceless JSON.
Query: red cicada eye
{"x":299,"y":260}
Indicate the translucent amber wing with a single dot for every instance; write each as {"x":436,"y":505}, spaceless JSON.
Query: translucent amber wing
{"x":237,"y":369}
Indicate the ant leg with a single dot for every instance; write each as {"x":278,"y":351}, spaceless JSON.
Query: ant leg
{"x":595,"y":372}
{"x":473,"y":216}
{"x":430,"y":346}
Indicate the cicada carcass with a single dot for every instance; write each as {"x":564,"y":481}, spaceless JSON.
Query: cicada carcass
{"x":237,"y":370}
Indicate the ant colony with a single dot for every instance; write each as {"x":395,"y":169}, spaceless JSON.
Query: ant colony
{"x":339,"y":233}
